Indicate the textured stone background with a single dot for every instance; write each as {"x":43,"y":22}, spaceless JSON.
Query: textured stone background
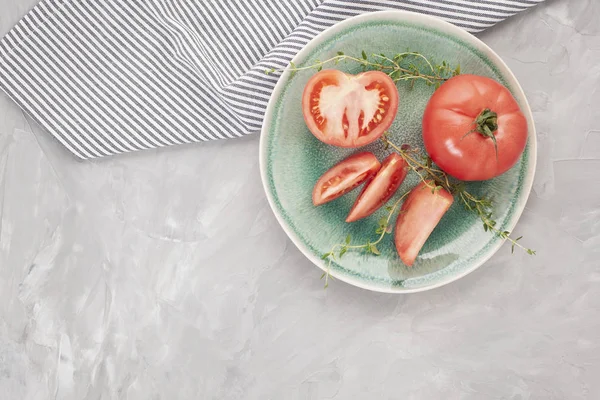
{"x":138,"y":277}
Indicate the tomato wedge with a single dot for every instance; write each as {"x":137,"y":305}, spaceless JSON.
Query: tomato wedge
{"x":349,"y":110}
{"x":419,"y":215}
{"x":345,"y":176}
{"x":377,"y":192}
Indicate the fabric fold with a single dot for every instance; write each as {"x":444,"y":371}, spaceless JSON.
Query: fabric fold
{"x":112,"y":76}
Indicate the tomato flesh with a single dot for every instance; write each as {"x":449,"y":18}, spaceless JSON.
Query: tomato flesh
{"x":345,"y":176}
{"x":383,"y":186}
{"x":449,"y":128}
{"x":349,"y":110}
{"x":420,"y":213}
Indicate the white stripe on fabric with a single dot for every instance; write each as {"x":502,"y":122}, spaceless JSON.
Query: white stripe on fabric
{"x":112,"y":76}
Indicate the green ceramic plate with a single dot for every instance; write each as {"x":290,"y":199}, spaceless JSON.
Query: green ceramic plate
{"x":292,"y":159}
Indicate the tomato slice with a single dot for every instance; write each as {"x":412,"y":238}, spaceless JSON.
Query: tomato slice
{"x":419,"y":215}
{"x":345,"y":176}
{"x":377,"y":192}
{"x":349,"y":110}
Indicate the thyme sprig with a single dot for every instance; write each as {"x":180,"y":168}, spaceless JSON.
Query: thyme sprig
{"x":383,"y":227}
{"x":405,"y":66}
{"x":483,"y":208}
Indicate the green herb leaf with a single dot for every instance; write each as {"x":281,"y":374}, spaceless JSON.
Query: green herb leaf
{"x":364,"y":55}
{"x":373,"y":248}
{"x":293,"y":69}
{"x":343,"y":251}
{"x":348,"y":239}
{"x":340,"y":53}
{"x":398,"y":58}
{"x":325,"y":256}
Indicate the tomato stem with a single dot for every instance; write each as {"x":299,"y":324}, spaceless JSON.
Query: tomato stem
{"x":486,"y":124}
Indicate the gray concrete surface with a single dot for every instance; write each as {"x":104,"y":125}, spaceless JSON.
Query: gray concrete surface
{"x":164,"y":274}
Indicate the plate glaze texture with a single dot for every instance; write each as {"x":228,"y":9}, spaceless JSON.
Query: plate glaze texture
{"x":292,"y":159}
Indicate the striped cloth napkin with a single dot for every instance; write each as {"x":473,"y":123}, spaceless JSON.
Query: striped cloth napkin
{"x":112,"y":76}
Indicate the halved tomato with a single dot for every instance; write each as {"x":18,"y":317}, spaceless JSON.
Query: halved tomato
{"x":349,"y":110}
{"x":345,"y":176}
{"x":377,"y":192}
{"x":419,"y":215}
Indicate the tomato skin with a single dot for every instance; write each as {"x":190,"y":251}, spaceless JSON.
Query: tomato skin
{"x":335,"y":106}
{"x":420,"y":213}
{"x":345,"y":176}
{"x":450,"y":115}
{"x":380,"y":189}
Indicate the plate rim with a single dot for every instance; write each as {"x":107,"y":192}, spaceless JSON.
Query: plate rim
{"x":448,"y":28}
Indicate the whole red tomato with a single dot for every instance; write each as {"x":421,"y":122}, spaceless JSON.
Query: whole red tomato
{"x":473,"y":128}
